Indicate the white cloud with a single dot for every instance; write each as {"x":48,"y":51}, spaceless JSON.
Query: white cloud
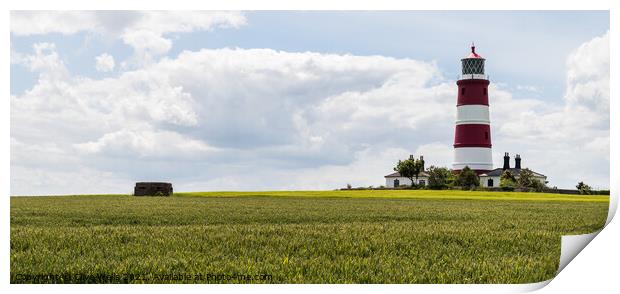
{"x":569,"y":142}
{"x":436,"y":153}
{"x":265,"y":119}
{"x":187,"y":21}
{"x":78,"y":180}
{"x":588,"y":76}
{"x":104,"y":62}
{"x":584,"y":115}
{"x":45,"y":61}
{"x":147,"y":44}
{"x":145,"y":143}
{"x":259,"y":107}
{"x":528,"y":88}
{"x":25,"y":23}
{"x":367,"y":168}
{"x":144,"y":31}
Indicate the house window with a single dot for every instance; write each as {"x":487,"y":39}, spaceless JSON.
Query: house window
{"x":422,"y":182}
{"x":490,"y":183}
{"x":396,"y":183}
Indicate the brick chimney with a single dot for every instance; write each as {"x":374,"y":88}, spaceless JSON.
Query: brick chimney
{"x":506,"y":161}
{"x":422,"y":161}
{"x":518,"y":161}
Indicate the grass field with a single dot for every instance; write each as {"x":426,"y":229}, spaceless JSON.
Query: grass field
{"x":298,"y":237}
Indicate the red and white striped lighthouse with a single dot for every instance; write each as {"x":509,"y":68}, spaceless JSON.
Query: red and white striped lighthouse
{"x":472,"y":134}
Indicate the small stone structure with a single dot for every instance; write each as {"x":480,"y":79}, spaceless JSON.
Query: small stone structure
{"x":152,"y":189}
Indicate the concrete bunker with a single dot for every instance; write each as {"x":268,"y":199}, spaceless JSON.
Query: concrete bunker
{"x":153,"y":189}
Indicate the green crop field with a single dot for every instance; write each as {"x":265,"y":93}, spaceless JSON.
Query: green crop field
{"x":297,"y":237}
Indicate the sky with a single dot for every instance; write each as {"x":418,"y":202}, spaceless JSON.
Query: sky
{"x":281,"y":100}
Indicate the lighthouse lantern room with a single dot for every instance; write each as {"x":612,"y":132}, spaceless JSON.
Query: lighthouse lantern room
{"x":472,"y":135}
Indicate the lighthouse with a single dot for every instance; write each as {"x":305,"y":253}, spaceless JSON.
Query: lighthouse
{"x":472,"y":132}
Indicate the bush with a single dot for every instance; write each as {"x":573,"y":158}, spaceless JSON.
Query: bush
{"x":507,"y":181}
{"x":467,"y":178}
{"x":508,"y":187}
{"x":538,"y":186}
{"x":507,"y":184}
{"x":439,"y":178}
{"x":525,"y":183}
{"x":583,"y":188}
{"x":526,"y":179}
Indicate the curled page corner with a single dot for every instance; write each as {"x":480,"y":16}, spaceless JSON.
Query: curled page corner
{"x":572,"y":245}
{"x":613,"y":207}
{"x":532,"y":286}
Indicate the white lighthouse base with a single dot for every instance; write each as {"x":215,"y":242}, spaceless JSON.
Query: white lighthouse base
{"x":477,"y":158}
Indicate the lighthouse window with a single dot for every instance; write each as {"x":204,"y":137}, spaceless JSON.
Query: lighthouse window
{"x":486,"y":135}
{"x":462,"y":91}
{"x":484,"y":91}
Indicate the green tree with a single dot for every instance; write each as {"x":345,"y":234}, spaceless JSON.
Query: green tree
{"x":538,"y":186}
{"x":526,"y":179}
{"x":507,"y":181}
{"x":409,"y":168}
{"x":583,"y":188}
{"x":439,"y":177}
{"x":467,"y":178}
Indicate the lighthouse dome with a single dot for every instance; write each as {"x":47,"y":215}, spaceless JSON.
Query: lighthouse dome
{"x":473,"y":65}
{"x":473,"y":53}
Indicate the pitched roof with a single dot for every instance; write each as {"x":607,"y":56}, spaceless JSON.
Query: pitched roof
{"x":515,"y":172}
{"x":473,"y":53}
{"x":397,"y":174}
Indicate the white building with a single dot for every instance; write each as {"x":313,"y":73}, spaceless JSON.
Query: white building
{"x":396,"y":180}
{"x":491,"y":178}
